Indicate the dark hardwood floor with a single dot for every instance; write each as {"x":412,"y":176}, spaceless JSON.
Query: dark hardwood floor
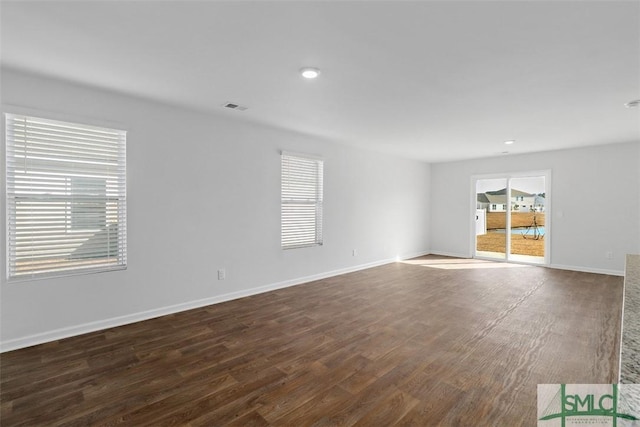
{"x":409,"y":344}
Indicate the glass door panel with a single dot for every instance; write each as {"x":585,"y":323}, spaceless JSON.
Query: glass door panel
{"x":491,"y":218}
{"x":527,"y":211}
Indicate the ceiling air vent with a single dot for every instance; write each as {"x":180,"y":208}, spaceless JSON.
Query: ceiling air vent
{"x":232,"y":106}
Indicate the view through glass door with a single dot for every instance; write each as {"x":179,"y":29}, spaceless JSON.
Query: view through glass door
{"x":510,"y":218}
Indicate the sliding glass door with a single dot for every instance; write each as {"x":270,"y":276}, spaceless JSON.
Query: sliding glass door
{"x":491,"y":218}
{"x":527,"y":219}
{"x":510,"y":217}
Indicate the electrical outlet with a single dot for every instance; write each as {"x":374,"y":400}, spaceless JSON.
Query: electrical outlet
{"x":354,"y":253}
{"x":221,"y":274}
{"x":608,"y":255}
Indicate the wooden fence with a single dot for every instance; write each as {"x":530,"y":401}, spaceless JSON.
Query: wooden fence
{"x":518,"y":219}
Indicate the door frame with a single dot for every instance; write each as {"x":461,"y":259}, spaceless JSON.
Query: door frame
{"x":547,"y":218}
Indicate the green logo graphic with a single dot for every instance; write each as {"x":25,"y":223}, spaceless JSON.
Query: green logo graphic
{"x":585,"y":401}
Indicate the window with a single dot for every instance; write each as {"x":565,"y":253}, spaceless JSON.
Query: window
{"x":66,"y":197}
{"x":301,"y":201}
{"x":88,"y":215}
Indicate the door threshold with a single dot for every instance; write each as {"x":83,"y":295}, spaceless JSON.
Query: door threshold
{"x":514,"y":259}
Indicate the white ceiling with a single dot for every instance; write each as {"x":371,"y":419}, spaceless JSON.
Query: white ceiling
{"x":431,"y":80}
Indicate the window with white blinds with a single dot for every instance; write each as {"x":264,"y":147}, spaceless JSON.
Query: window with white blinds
{"x":301,"y":201}
{"x":66,"y":197}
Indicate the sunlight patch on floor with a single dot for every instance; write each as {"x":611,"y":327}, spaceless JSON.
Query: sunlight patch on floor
{"x":461,"y":264}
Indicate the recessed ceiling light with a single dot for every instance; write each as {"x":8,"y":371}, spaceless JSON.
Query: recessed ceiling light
{"x":509,"y":142}
{"x":309,"y":72}
{"x":633,"y":103}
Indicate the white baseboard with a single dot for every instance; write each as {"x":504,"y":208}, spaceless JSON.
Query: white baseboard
{"x":113,"y":322}
{"x":451,"y":254}
{"x":556,"y":266}
{"x":586,"y":269}
{"x":412,"y":255}
{"x":71,"y":331}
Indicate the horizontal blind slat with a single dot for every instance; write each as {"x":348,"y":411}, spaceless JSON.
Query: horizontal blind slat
{"x":301,"y":201}
{"x":66,"y":196}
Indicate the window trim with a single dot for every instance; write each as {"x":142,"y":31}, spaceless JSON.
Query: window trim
{"x":318,"y":201}
{"x":89,"y":122}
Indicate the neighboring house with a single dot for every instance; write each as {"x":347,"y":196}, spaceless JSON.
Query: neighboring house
{"x":482,"y":201}
{"x":496,"y":201}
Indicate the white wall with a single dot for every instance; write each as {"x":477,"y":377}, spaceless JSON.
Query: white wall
{"x":203,"y":194}
{"x":594,"y":200}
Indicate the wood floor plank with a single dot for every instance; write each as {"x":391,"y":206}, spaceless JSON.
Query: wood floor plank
{"x":252,"y":419}
{"x":407,"y":343}
{"x":431,"y":412}
{"x":390,"y":411}
{"x":332,"y":400}
{"x":234,"y":402}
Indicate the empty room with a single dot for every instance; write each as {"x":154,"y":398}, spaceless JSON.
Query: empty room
{"x":327,"y":213}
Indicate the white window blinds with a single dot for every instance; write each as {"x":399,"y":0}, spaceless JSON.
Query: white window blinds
{"x":301,"y":201}
{"x":66,"y":197}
